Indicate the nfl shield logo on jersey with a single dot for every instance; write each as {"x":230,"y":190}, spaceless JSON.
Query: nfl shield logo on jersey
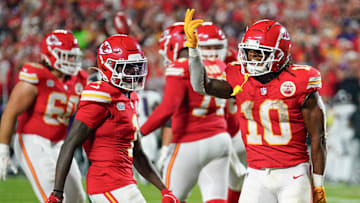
{"x":50,"y":83}
{"x":263,"y":91}
{"x":288,"y":88}
{"x":120,"y":106}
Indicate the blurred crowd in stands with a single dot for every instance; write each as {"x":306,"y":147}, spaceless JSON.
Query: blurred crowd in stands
{"x":324,"y":33}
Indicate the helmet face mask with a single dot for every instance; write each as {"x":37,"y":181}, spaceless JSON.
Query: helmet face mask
{"x":61,"y":51}
{"x":217,"y":51}
{"x":68,"y":62}
{"x":212,"y":41}
{"x":263,"y":61}
{"x":129,"y":75}
{"x":271,"y":43}
{"x":122,"y":63}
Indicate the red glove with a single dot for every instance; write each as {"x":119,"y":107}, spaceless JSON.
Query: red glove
{"x":168,"y":197}
{"x":53,"y":199}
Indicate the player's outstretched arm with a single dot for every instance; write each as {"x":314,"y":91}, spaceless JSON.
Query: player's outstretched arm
{"x":76,"y":137}
{"x":22,"y":97}
{"x":198,"y":76}
{"x":148,"y":171}
{"x":313,"y":111}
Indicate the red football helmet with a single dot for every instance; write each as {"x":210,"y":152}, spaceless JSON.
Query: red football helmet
{"x":60,"y":49}
{"x":171,"y":42}
{"x":122,"y":23}
{"x":272,"y":41}
{"x":122,"y":62}
{"x":212,"y":41}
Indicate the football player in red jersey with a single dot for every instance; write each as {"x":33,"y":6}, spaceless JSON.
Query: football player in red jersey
{"x":200,"y":145}
{"x":213,"y":45}
{"x":279,"y":107}
{"x":43,"y":100}
{"x":106,"y":124}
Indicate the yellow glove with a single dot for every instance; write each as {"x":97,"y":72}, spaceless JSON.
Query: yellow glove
{"x":319,"y":195}
{"x":239,"y":88}
{"x":190,"y":27}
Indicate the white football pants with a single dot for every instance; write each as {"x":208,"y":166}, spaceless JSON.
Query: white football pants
{"x":37,"y":157}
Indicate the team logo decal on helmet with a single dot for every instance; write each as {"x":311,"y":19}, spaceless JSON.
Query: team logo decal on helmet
{"x":53,"y":40}
{"x":288,"y":88}
{"x":105,"y":48}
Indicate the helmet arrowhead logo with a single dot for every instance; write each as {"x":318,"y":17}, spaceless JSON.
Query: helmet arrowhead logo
{"x":105,"y":48}
{"x":53,"y":40}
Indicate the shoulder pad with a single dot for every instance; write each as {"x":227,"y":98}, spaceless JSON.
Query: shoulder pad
{"x":176,"y":68}
{"x":96,"y":92}
{"x":312,"y":75}
{"x":31,"y":72}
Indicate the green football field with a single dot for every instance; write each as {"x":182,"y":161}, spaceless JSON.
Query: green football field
{"x":18,"y":190}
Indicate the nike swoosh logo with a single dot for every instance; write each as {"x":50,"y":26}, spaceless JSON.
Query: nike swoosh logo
{"x":296,"y":177}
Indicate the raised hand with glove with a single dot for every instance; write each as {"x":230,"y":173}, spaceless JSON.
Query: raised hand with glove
{"x":168,"y":197}
{"x":5,"y":161}
{"x":190,"y":26}
{"x":319,"y":190}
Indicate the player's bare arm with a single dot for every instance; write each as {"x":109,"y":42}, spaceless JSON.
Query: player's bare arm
{"x":144,"y":166}
{"x":314,"y":117}
{"x":313,"y":112}
{"x":76,"y":137}
{"x":21,"y":99}
{"x":218,"y":88}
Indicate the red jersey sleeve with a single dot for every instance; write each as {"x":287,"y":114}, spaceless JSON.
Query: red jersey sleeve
{"x":233,"y":75}
{"x":231,"y":116}
{"x":31,"y":73}
{"x":175,"y":90}
{"x":92,"y":114}
{"x":92,"y":110}
{"x":312,"y":81}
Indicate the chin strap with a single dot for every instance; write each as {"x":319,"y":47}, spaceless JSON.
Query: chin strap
{"x":239,"y":88}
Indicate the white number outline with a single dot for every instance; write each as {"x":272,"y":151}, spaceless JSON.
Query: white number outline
{"x":135,"y":123}
{"x":62,"y":115}
{"x":203,"y":109}
{"x":253,"y":137}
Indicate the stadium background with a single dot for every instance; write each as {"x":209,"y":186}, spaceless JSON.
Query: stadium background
{"x":325,"y":34}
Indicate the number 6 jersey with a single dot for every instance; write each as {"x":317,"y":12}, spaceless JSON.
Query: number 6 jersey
{"x":271,"y":120}
{"x":55,"y":102}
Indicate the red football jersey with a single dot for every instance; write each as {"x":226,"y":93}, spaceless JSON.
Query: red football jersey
{"x":232,"y":117}
{"x":55,"y":103}
{"x":104,"y":108}
{"x":194,"y":116}
{"x":271,"y":121}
